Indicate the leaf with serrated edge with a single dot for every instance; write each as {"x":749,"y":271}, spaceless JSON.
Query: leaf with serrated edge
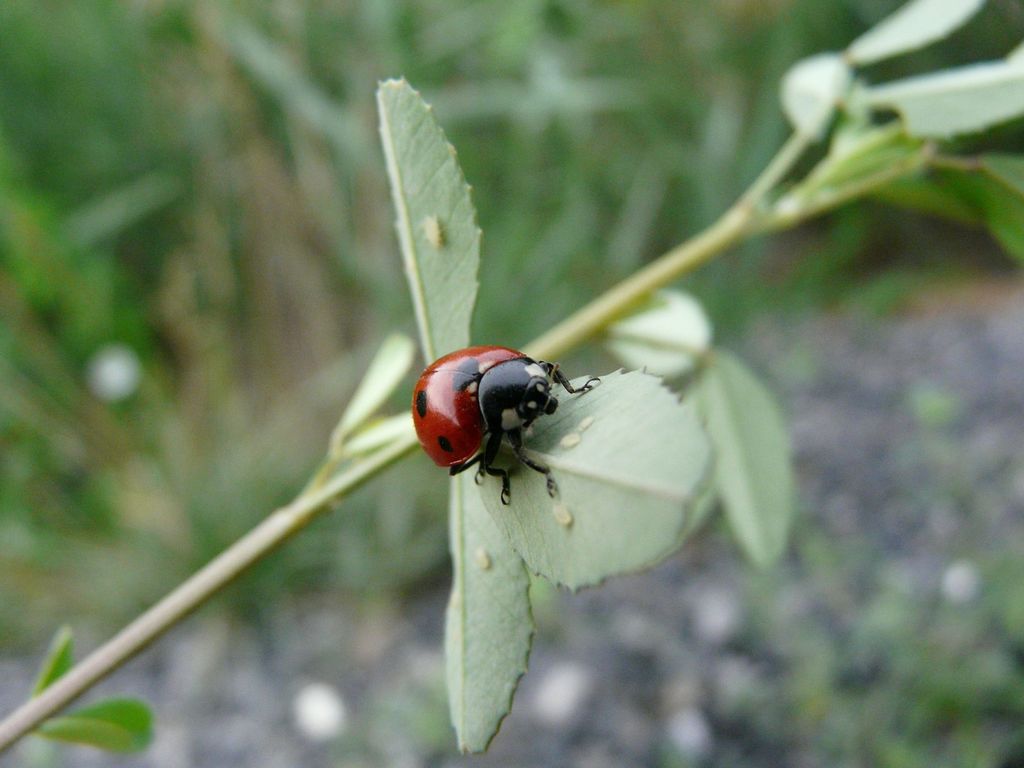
{"x":913,"y":26}
{"x":117,"y":725}
{"x":385,"y":371}
{"x":753,"y":470}
{"x":954,"y":101}
{"x":666,"y":336}
{"x":489,"y":626}
{"x":436,"y":221}
{"x":58,"y":660}
{"x":811,"y":90}
{"x":629,"y":460}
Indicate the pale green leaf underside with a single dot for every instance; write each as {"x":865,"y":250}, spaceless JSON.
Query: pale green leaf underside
{"x":665,"y":337}
{"x":811,"y":90}
{"x":913,"y":26}
{"x":118,"y":725}
{"x":436,"y":221}
{"x":955,"y":101}
{"x":489,"y":626}
{"x":384,"y":373}
{"x":629,"y":460}
{"x":753,"y":470}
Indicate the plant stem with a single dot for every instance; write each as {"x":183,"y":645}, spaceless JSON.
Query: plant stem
{"x":611,"y":305}
{"x":777,"y":169}
{"x":220,"y":571}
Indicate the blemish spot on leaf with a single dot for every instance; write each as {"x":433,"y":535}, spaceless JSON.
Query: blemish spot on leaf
{"x":570,"y":440}
{"x":433,"y":231}
{"x":562,"y":514}
{"x":483,"y":560}
{"x":585,"y":424}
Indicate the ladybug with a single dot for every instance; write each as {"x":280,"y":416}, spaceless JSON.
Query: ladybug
{"x":467,"y":401}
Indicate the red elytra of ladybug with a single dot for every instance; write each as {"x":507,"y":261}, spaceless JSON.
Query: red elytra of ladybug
{"x":466,"y":402}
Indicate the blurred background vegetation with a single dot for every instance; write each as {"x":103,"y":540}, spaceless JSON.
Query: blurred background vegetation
{"x":197,"y":187}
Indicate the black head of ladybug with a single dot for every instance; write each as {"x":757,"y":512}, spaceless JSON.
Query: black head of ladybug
{"x":514,"y":393}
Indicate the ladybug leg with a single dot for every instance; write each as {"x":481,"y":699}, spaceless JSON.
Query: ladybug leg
{"x":486,"y":459}
{"x":483,"y":459}
{"x":515,"y":437}
{"x":560,"y":377}
{"x":455,"y":469}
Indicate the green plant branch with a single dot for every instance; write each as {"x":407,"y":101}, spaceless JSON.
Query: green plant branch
{"x":744,"y":219}
{"x":777,"y":169}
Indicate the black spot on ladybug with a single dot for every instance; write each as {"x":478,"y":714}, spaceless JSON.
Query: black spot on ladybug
{"x":445,"y":443}
{"x":421,"y":403}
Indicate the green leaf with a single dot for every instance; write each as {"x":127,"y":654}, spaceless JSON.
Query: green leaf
{"x":991,"y":192}
{"x":753,"y":470}
{"x":859,"y":152}
{"x":378,"y":433}
{"x":930,"y":195}
{"x":118,"y":725}
{"x":702,"y":509}
{"x":913,"y":26}
{"x":666,"y":336}
{"x":629,"y":460}
{"x":1003,"y":202}
{"x":384,"y":373}
{"x":489,"y":625}
{"x":811,"y":90}
{"x":58,"y":660}
{"x":436,"y":221}
{"x":954,"y":101}
{"x":1009,"y":169}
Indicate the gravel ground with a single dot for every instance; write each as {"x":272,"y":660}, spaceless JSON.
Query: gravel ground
{"x":908,"y":438}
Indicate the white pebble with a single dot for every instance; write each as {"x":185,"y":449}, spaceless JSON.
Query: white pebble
{"x":319,"y":712}
{"x":113,"y":372}
{"x":717,"y":615}
{"x":961,"y":582}
{"x":689,"y":732}
{"x":562,"y":693}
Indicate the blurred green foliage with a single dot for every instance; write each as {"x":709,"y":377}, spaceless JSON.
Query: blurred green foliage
{"x":201,"y":181}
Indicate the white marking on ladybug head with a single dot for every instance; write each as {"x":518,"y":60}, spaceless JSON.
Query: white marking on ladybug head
{"x":535,"y":371}
{"x":531,"y":404}
{"x":471,"y":387}
{"x":510,"y":419}
{"x":484,"y":365}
